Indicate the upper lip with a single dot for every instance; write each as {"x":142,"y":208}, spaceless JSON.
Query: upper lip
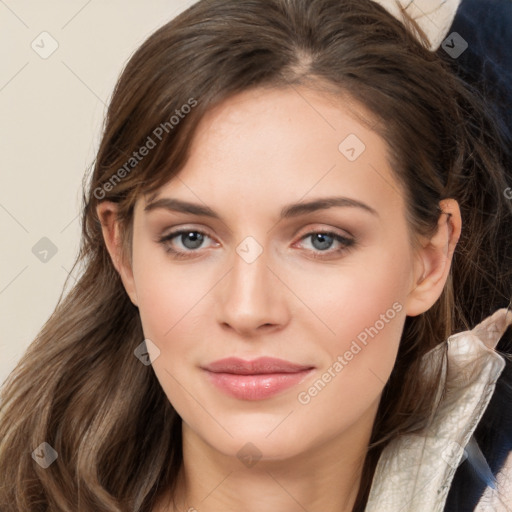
{"x":262,"y":365}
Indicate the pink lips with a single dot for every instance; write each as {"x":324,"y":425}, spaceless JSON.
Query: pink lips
{"x":256,"y":379}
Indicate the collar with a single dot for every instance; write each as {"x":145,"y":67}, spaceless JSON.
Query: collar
{"x":415,"y":471}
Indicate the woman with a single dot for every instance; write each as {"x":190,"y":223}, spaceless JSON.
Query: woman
{"x":294,"y":206}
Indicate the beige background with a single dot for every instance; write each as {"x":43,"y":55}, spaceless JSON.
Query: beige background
{"x":51,"y":114}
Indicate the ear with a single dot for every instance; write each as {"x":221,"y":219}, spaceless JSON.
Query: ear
{"x":108,"y":215}
{"x":434,"y":260}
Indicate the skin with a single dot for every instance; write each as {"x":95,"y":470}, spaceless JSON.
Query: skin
{"x":251,"y":156}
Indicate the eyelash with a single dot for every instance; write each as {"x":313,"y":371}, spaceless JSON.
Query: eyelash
{"x":347,"y":243}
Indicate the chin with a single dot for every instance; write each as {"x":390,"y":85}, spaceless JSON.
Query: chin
{"x":258,"y":440}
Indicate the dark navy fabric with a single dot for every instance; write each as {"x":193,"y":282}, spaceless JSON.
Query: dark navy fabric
{"x":486,"y":64}
{"x":486,"y":25}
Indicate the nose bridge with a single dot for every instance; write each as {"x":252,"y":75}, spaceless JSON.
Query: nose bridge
{"x":252,"y":295}
{"x":249,"y":277}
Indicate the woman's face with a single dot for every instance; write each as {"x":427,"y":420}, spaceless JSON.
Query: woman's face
{"x":256,"y":278}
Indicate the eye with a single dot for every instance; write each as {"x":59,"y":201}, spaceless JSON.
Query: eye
{"x":323,"y":240}
{"x":192,"y":239}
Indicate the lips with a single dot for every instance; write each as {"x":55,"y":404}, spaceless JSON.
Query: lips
{"x":255,"y":380}
{"x":262,"y":365}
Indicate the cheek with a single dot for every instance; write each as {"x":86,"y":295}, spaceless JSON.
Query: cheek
{"x":168,"y":293}
{"x":370,"y":289}
{"x":361,"y":356}
{"x":171,"y":300}
{"x":365,"y":314}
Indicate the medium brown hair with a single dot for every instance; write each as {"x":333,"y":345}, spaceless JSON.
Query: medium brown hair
{"x":79,"y":387}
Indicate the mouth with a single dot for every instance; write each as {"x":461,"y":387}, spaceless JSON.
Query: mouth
{"x":257,"y":379}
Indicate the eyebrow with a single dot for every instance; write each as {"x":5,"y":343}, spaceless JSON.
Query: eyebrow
{"x":289,"y":211}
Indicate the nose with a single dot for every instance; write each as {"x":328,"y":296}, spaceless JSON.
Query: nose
{"x":252,"y":297}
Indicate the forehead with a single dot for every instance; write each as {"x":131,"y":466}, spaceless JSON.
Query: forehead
{"x":279,"y":119}
{"x":282,"y":145}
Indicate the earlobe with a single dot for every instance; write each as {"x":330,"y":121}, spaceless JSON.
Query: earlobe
{"x":107,"y":214}
{"x":434,"y":260}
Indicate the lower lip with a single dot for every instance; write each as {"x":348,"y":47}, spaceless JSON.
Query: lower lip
{"x":256,"y":387}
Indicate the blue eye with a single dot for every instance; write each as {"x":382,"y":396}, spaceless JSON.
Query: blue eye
{"x":192,"y":240}
{"x":323,"y":240}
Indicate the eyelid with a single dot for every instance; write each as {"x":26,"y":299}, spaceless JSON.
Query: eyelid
{"x":344,"y":233}
{"x":323,"y":228}
{"x":347,"y":242}
{"x":175,"y":230}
